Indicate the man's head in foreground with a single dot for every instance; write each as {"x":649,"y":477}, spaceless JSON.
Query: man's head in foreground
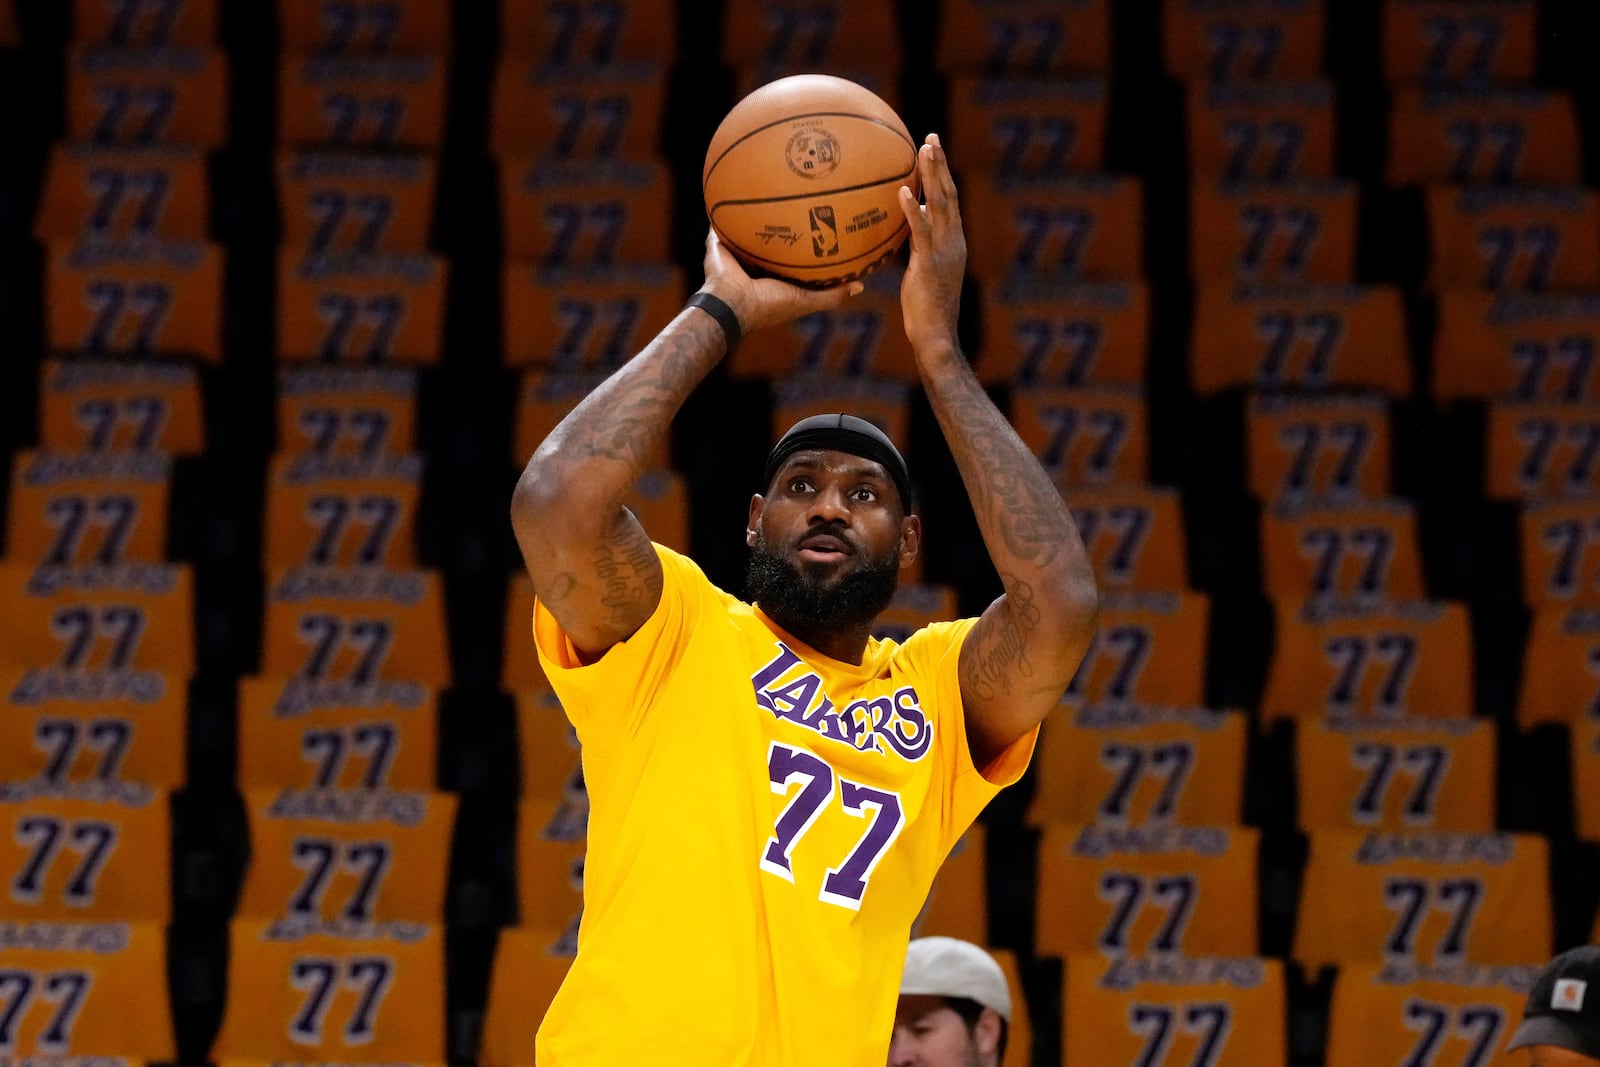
{"x":1561,"y":1022}
{"x":833,"y":528}
{"x":954,"y":1009}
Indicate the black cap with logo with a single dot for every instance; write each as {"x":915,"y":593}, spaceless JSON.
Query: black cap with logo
{"x":1564,"y":1007}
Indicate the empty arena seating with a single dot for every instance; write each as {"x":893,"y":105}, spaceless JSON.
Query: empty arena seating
{"x":1297,"y":302}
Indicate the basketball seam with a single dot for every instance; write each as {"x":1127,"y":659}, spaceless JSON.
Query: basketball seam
{"x":706,"y":177}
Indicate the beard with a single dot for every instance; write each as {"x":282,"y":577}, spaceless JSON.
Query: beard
{"x":802,"y":601}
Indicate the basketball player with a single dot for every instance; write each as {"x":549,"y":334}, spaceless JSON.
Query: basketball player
{"x":771,"y":790}
{"x":1561,"y":1023}
{"x":955,"y":1007}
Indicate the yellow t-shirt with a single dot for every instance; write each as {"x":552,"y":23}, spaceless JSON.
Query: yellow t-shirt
{"x":764,"y":825}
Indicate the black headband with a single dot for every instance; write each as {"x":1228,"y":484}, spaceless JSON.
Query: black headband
{"x":842,"y":433}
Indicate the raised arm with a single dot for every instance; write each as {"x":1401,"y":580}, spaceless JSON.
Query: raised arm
{"x":591,"y":562}
{"x":1022,"y":653}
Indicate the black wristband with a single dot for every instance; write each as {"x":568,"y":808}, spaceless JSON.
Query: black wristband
{"x":718,"y":309}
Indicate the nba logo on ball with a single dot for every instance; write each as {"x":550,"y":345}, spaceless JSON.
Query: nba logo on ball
{"x":824,"y":232}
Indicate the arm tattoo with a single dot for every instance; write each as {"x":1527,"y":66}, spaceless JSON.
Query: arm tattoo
{"x":1000,"y":660}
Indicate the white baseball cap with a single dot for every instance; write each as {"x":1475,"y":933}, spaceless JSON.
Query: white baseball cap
{"x":947,"y":967}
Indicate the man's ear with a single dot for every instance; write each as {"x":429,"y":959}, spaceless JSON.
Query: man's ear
{"x":754,"y":523}
{"x":910,"y":540}
{"x":986,"y":1031}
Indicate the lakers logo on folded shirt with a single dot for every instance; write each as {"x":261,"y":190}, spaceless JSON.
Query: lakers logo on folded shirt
{"x":128,"y":96}
{"x":1149,"y":649}
{"x":348,"y":202}
{"x":1299,"y":446}
{"x":1030,"y":37}
{"x":301,"y":734}
{"x":347,"y":411}
{"x":567,"y":320}
{"x":1056,"y":333}
{"x":379,"y":102}
{"x":1170,"y":1009}
{"x":1517,"y":346}
{"x":1503,"y":136}
{"x":1132,"y":765}
{"x":566,"y":113}
{"x":346,"y":512}
{"x":304,"y":990}
{"x":1043,"y":127}
{"x":120,"y":193}
{"x":360,"y":309}
{"x":1425,"y":898}
{"x":1138,"y":890}
{"x":117,"y":406}
{"x":355,"y":625}
{"x":357,"y":855}
{"x":126,"y":619}
{"x":91,"y":851}
{"x":102,"y":508}
{"x":111,"y":734}
{"x":1355,"y":548}
{"x":1442,"y":42}
{"x":1392,"y":1013}
{"x":1310,"y":337}
{"x":1401,"y":774}
{"x":69,"y":984}
{"x":1250,"y":131}
{"x":142,"y":298}
{"x":1367,"y":658}
{"x":585,"y":215}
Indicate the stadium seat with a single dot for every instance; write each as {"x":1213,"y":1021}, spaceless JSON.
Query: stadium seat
{"x":1514,"y":238}
{"x":355,"y":511}
{"x":1560,"y":668}
{"x":91,"y":728}
{"x":303,"y":992}
{"x":91,"y":853}
{"x":1558,"y":561}
{"x":958,"y":903}
{"x":1174,"y":1010}
{"x":96,"y":192}
{"x":1334,"y":446}
{"x":1138,"y":766}
{"x":360,"y":309}
{"x":144,"y":25}
{"x":89,"y":405}
{"x":355,"y":625}
{"x":73,"y":509}
{"x":1024,"y":37}
{"x":564,"y":113}
{"x":142,"y":298}
{"x":550,"y":755}
{"x":1366,"y":548}
{"x":551,"y":842}
{"x":348,"y":28}
{"x":1424,"y":898}
{"x":789,"y":35}
{"x":1150,"y":649}
{"x":567,"y":320}
{"x":1442,"y":42}
{"x":134,"y":618}
{"x":1022,"y":127}
{"x":1514,"y":346}
{"x":66,"y":988}
{"x":589,"y":33}
{"x":132,"y":96}
{"x":1128,"y":891}
{"x":1266,"y":232}
{"x":1483,"y":136}
{"x":1092,"y":436}
{"x":1271,"y":130}
{"x":347,"y":411}
{"x":1370,"y":659}
{"x":1080,"y":227}
{"x":585,"y":214}
{"x":1134,"y":535}
{"x":1403,"y":774}
{"x":355,"y":202}
{"x":529,"y":966}
{"x":885,"y":403}
{"x":378,"y":103}
{"x":865,"y":339}
{"x":1296,"y":337}
{"x":1052,"y":333}
{"x":1396,"y":1012}
{"x":1541,"y":449}
{"x":347,"y":855}
{"x":299,"y":734}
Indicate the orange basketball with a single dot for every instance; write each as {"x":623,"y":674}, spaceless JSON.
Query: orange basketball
{"x":802,"y":179}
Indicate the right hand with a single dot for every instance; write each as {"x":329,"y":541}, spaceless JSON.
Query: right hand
{"x":762,"y":302}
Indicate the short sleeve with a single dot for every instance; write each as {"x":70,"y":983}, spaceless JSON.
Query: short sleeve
{"x":935,"y":653}
{"x":608,"y":700}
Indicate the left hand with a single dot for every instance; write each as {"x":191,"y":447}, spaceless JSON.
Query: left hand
{"x":930,"y":292}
